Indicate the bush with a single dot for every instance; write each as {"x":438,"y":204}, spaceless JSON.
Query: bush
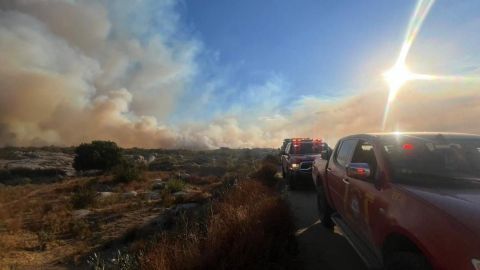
{"x":9,"y":153}
{"x":126,"y":172}
{"x":80,"y":229}
{"x":83,"y":197}
{"x":43,"y":238}
{"x":266,"y":174}
{"x":250,"y":228}
{"x":21,"y":176}
{"x":175,"y":185}
{"x":5,"y":175}
{"x":98,"y":155}
{"x":163,"y":165}
{"x":271,"y":159}
{"x":122,"y":261}
{"x":199,"y":180}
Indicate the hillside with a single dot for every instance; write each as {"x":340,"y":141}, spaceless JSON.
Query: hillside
{"x":53,"y":216}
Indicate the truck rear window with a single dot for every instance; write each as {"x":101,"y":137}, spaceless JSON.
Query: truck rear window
{"x":438,"y":157}
{"x":306,"y":148}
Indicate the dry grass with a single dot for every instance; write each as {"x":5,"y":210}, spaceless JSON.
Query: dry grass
{"x":38,"y":222}
{"x":39,"y":225}
{"x":250,"y":228}
{"x":197,"y":180}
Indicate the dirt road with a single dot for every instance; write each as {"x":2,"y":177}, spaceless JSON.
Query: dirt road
{"x":319,"y":248}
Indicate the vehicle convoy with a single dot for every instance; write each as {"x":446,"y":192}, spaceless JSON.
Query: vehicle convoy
{"x":404,"y":200}
{"x":297,"y":159}
{"x":284,"y":145}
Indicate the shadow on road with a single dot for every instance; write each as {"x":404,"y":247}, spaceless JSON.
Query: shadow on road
{"x":319,"y":248}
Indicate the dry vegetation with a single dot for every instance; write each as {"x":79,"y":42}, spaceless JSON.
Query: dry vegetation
{"x":40,"y":224}
{"x":107,"y":222}
{"x":250,"y":228}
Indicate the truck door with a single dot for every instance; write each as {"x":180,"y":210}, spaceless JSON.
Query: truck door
{"x":363,"y":202}
{"x":336,"y":173}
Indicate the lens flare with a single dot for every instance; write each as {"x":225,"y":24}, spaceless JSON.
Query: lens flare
{"x":399,"y":74}
{"x":396,"y":77}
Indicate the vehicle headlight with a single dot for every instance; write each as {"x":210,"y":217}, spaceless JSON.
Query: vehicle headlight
{"x":295,"y":166}
{"x":476,"y":264}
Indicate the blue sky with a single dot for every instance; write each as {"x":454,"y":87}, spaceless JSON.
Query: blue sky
{"x":317,"y":45}
{"x":325,"y":49}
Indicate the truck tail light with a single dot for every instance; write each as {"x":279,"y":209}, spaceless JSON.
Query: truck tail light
{"x":408,"y":146}
{"x":361,"y":171}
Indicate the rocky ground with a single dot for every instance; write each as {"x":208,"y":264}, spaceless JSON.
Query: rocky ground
{"x":39,"y":160}
{"x":42,"y":227}
{"x":64,"y":222}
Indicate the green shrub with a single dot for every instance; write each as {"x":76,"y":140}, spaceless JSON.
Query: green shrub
{"x":83,"y":198}
{"x":98,"y":155}
{"x":175,"y":185}
{"x":126,"y":172}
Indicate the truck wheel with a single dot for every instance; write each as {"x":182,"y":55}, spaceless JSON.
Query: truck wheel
{"x":310,"y":185}
{"x":324,"y":210}
{"x":406,"y":261}
{"x":291,"y":181}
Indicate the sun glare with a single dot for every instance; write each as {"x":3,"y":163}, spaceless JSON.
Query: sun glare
{"x":396,"y":77}
{"x":399,"y":74}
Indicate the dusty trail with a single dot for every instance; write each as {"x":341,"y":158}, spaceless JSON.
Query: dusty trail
{"x":319,"y":248}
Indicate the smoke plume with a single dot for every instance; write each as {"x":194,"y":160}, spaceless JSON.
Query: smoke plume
{"x":75,"y":71}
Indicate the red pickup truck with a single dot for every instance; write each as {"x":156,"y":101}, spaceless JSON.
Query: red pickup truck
{"x":404,"y":200}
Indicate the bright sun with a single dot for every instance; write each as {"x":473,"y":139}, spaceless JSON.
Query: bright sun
{"x":396,"y":77}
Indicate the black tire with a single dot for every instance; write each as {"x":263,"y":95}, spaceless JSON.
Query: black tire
{"x":291,"y":181}
{"x":406,"y":261}
{"x":324,"y":210}
{"x":310,"y":185}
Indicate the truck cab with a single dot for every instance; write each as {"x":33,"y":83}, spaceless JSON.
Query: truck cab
{"x":405,"y":201}
{"x":297,"y":161}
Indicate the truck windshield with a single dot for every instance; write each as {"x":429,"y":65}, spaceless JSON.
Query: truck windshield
{"x":306,"y":149}
{"x":433,"y":158}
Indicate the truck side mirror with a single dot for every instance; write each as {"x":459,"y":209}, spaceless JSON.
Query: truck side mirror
{"x":358,"y":170}
{"x":379,"y":180}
